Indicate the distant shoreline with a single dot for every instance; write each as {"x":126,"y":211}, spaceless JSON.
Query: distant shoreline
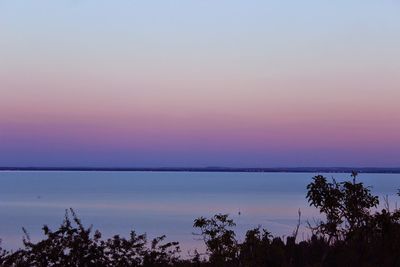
{"x":212,"y":169}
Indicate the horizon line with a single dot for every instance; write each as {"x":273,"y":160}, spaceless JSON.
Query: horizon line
{"x":212,"y":169}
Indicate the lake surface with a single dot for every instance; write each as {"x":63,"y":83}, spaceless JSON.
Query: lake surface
{"x":161,"y":202}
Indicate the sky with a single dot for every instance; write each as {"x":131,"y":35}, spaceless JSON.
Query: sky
{"x":199,"y":83}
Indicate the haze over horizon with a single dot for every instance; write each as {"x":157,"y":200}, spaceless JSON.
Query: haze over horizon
{"x":199,"y":83}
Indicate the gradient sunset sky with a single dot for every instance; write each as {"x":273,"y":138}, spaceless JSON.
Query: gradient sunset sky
{"x":199,"y":83}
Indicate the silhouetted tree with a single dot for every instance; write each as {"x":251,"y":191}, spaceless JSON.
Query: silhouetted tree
{"x":219,"y":238}
{"x":346,"y":206}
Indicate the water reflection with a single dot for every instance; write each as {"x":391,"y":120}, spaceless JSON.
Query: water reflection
{"x":160,"y":202}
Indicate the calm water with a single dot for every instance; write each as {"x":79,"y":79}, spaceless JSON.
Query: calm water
{"x":160,"y":202}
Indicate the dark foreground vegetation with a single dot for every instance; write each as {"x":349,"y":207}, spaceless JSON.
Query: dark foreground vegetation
{"x":353,"y":233}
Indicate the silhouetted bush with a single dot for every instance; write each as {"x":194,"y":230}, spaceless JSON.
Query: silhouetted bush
{"x":219,"y":238}
{"x":352,"y":232}
{"x":74,"y":245}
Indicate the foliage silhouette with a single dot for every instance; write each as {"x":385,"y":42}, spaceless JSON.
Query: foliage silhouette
{"x":219,"y":238}
{"x":74,"y":245}
{"x":352,"y":232}
{"x":346,"y":206}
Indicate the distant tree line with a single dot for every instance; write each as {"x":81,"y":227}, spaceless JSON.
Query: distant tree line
{"x":352,"y":233}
